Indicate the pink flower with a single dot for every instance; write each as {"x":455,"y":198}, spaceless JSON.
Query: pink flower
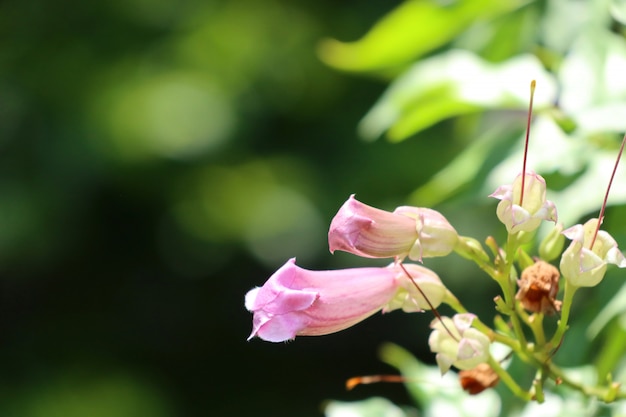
{"x":295,"y":301}
{"x":534,"y":208}
{"x":585,"y":266}
{"x":373,"y":233}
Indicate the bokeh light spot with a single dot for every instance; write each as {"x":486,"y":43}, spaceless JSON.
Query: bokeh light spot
{"x":175,"y":115}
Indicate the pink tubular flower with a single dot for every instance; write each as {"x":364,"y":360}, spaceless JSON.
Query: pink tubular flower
{"x":373,"y":233}
{"x":534,"y":208}
{"x":585,"y":266}
{"x":295,"y":301}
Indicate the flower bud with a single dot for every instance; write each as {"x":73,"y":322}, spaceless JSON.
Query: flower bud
{"x":373,"y":233}
{"x":470,"y":248}
{"x":583,"y":265}
{"x":457,"y":343}
{"x":551,"y":246}
{"x":534,"y":208}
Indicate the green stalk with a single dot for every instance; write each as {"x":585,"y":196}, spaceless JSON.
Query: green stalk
{"x":506,"y":378}
{"x":535,"y":322}
{"x":507,"y":288}
{"x":568,"y":297}
{"x":456,"y":305}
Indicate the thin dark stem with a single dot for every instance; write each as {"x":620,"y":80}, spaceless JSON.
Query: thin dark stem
{"x":432,"y":308}
{"x":606,"y":196}
{"x":533,"y":83}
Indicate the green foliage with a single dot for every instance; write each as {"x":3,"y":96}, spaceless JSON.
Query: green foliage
{"x":372,"y":407}
{"x":480,"y":71}
{"x":78,"y":393}
{"x":466,"y":65}
{"x":413,"y":29}
{"x":156,"y":156}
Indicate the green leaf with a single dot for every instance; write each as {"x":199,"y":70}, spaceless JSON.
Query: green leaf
{"x":438,"y":394}
{"x":615,"y":307}
{"x":462,"y":169}
{"x":372,"y":407}
{"x":564,"y":20}
{"x":451,"y":84}
{"x":409,"y":31}
{"x":618,"y":10}
{"x":597,"y":57}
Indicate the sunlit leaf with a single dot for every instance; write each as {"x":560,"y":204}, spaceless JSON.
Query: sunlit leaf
{"x":618,"y":10}
{"x":372,"y":407}
{"x":461,"y":170}
{"x":566,"y":402}
{"x":563,"y":21}
{"x":451,"y":84}
{"x":412,"y":29}
{"x":438,"y":395}
{"x":597,"y":57}
{"x":503,"y":37}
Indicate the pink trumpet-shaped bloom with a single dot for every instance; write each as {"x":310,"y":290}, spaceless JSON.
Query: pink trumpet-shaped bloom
{"x":534,"y":208}
{"x":298,"y":302}
{"x":585,"y":266}
{"x":373,"y":233}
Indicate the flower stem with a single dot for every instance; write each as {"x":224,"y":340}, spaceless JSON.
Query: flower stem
{"x":538,"y":385}
{"x":506,"y":378}
{"x":535,"y":322}
{"x":508,"y":290}
{"x":568,"y":296}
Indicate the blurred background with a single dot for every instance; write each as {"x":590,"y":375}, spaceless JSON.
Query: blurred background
{"x":158,"y":159}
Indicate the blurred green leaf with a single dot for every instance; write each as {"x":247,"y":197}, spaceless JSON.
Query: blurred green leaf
{"x":598,"y":57}
{"x":615,"y":307}
{"x":563,"y":21}
{"x":503,"y":37}
{"x":461,"y":170}
{"x":451,"y":84}
{"x":372,"y":407}
{"x":409,"y":31}
{"x":80,"y":394}
{"x":438,"y":394}
{"x":618,"y":10}
{"x":563,"y":401}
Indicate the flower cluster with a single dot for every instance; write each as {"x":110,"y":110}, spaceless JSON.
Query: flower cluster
{"x":299,"y":302}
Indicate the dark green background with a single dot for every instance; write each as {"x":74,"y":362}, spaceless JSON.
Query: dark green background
{"x":111,"y":305}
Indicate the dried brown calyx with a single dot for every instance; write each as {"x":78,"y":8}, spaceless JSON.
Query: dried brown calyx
{"x":538,"y":287}
{"x":478,"y":379}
